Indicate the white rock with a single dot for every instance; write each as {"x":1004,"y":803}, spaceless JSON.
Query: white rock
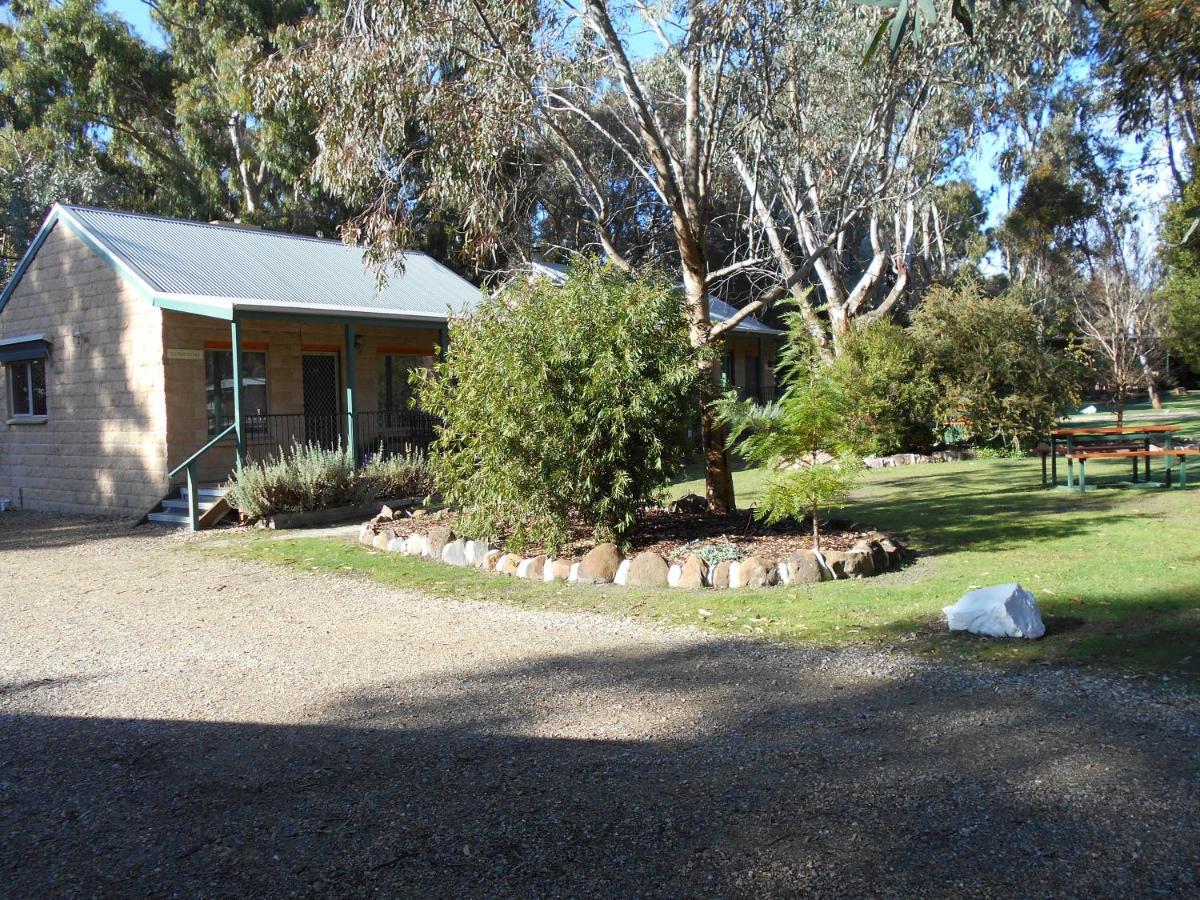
{"x":673,"y":575}
{"x":523,"y":568}
{"x":412,"y":546}
{"x":735,"y":574}
{"x":397,"y":545}
{"x":622,"y":575}
{"x":573,"y":578}
{"x":1089,"y":411}
{"x":785,"y":575}
{"x":476,"y":551}
{"x":825,"y":570}
{"x":1004,"y":610}
{"x":455,"y":553}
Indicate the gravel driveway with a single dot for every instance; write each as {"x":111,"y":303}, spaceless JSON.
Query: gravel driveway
{"x":175,"y":725}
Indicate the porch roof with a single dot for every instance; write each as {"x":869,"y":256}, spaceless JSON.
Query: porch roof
{"x":718,"y":310}
{"x":220,"y":270}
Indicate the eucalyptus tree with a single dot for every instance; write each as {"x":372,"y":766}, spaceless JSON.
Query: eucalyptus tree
{"x":843,"y":160}
{"x":660,"y":113}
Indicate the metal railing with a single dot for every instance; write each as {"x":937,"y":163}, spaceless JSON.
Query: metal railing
{"x":386,"y":431}
{"x":187,"y":466}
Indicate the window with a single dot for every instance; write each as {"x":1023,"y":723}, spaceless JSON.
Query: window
{"x":395,"y":389}
{"x":218,"y":367}
{"x":27,"y":388}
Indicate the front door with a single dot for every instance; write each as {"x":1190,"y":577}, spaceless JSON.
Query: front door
{"x":322,"y":419}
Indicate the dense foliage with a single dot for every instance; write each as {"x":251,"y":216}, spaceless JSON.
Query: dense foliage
{"x":1181,"y":285}
{"x":993,"y":365}
{"x":563,"y":403}
{"x":808,"y":440}
{"x":307,"y":477}
{"x":893,"y":397}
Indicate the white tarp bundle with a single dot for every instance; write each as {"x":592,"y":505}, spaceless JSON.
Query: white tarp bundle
{"x":1005,"y":610}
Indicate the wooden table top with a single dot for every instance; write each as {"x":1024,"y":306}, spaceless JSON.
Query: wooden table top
{"x":1113,"y":429}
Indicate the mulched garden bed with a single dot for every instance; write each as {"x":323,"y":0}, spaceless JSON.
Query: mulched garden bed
{"x":676,"y":535}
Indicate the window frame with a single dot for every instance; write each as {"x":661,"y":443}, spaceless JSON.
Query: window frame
{"x":214,"y":419}
{"x":33,"y":416}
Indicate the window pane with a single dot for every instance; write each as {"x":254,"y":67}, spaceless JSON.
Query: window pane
{"x":37,"y":379}
{"x":219,"y":388}
{"x":19,"y":374}
{"x":218,"y":366}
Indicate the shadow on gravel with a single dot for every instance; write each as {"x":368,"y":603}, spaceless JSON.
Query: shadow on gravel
{"x":25,"y":530}
{"x":888,"y":786}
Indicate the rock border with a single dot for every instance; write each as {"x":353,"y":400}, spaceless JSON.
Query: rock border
{"x":876,"y":553}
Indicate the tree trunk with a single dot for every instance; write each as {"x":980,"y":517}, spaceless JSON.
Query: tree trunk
{"x":816,"y":531}
{"x":718,"y":476}
{"x":1121,"y":406}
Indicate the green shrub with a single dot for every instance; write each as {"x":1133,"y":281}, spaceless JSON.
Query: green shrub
{"x":891,"y":396}
{"x":398,"y":474}
{"x":807,"y":440}
{"x":307,"y":477}
{"x":993,"y":365}
{"x":562,"y":403}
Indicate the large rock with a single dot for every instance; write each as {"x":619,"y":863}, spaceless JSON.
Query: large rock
{"x":476,"y":551}
{"x":366,"y":534}
{"x":557,"y":570}
{"x":673,"y":574}
{"x":600,"y":564}
{"x":859,"y":564}
{"x":895,"y":552}
{"x":397,"y":545}
{"x":437,"y":537}
{"x":491,"y":560}
{"x":720,"y":574}
{"x":835,"y":561}
{"x":752,"y":572}
{"x":380,"y":541}
{"x":694,"y":573}
{"x":1004,"y":610}
{"x":622,"y":576}
{"x":692,"y":503}
{"x":536,"y":568}
{"x":415,"y":545}
{"x":879,"y":557}
{"x":508,"y":564}
{"x":803,"y":568}
{"x":455,"y":553}
{"x":647,"y":570}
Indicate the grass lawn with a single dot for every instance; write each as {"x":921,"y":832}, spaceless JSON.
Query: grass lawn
{"x":1183,"y":411}
{"x":1117,"y":572}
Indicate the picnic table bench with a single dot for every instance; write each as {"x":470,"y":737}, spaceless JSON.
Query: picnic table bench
{"x":1131,"y":439}
{"x":1082,"y":456}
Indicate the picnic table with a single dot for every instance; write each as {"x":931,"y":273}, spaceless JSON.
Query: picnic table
{"x":1131,"y":441}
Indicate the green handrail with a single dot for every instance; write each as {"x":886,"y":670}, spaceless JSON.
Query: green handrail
{"x":193,"y":512}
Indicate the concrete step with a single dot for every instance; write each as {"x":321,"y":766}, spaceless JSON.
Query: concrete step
{"x":205,"y":492}
{"x":202,"y":504}
{"x":169,"y":518}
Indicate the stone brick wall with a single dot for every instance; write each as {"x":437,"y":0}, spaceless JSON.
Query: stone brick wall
{"x":185,"y":338}
{"x":102,"y":448}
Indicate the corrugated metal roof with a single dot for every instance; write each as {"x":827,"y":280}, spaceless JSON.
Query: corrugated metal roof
{"x":718,"y":310}
{"x":248,"y":267}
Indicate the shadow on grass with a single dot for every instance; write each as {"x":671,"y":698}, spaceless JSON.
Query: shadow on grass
{"x":970,"y":510}
{"x":1141,"y":632}
{"x":775,"y":776}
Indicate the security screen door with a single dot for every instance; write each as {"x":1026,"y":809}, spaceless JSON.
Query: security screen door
{"x":322,"y":421}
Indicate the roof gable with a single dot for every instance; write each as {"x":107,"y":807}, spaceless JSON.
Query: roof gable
{"x":217,"y":269}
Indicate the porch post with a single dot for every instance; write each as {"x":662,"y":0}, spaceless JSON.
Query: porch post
{"x":236,"y":345}
{"x":351,"y":437}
